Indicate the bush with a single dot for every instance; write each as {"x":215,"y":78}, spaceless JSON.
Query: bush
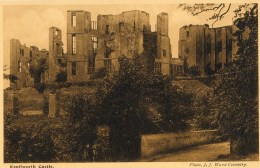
{"x":27,"y":140}
{"x":125,"y":100}
{"x":100,"y":73}
{"x":30,"y":99}
{"x":194,"y":71}
{"x":81,"y":122}
{"x":61,"y":77}
{"x":40,"y":87}
{"x":236,"y":90}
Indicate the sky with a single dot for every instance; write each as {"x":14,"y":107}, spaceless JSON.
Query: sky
{"x":30,"y":23}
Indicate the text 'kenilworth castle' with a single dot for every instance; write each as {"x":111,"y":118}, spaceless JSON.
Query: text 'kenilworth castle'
{"x":92,"y":45}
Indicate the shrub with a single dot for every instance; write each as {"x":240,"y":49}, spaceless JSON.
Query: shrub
{"x":29,"y":141}
{"x":61,"y":77}
{"x":236,"y":90}
{"x":100,"y":73}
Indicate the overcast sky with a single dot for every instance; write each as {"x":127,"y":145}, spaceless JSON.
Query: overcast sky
{"x":30,"y":24}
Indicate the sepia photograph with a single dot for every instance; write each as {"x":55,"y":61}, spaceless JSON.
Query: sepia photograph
{"x":108,"y":83}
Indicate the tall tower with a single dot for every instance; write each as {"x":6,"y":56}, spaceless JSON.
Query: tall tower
{"x":163,"y":44}
{"x":20,"y":58}
{"x":55,"y":52}
{"x":78,"y":44}
{"x":16,"y":54}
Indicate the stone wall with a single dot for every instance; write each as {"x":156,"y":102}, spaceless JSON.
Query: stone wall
{"x":207,"y":48}
{"x":24,"y":62}
{"x":52,"y":105}
{"x":159,"y":143}
{"x":164,"y":54}
{"x":55,"y":53}
{"x":114,"y":36}
{"x":11,"y":101}
{"x":20,"y":60}
{"x":81,"y":33}
{"x":26,"y":101}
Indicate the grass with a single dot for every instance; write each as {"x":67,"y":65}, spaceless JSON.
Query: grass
{"x":32,"y":121}
{"x":250,"y":157}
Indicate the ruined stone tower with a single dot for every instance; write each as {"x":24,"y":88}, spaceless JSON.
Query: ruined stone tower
{"x":207,"y":48}
{"x":120,"y":35}
{"x":20,"y":60}
{"x":162,"y":62}
{"x":55,"y":53}
{"x":78,"y":44}
{"x":95,"y":45}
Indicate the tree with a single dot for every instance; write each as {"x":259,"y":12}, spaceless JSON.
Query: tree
{"x":100,"y":73}
{"x":80,"y":122}
{"x":125,"y":100}
{"x":37,"y":68}
{"x":237,"y":84}
{"x":236,"y":89}
{"x":176,"y":108}
{"x":61,"y":76}
{"x":122,"y":110}
{"x":219,"y":10}
{"x":11,"y":77}
{"x":204,"y":117}
{"x":194,"y":71}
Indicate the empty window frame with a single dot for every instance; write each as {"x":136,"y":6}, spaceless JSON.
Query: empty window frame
{"x":56,"y":32}
{"x":107,"y":29}
{"x":208,"y":46}
{"x":19,"y":66}
{"x":157,"y":68}
{"x":171,"y":69}
{"x":219,"y":46}
{"x":121,"y":26}
{"x":91,"y":65}
{"x":93,"y":25}
{"x":229,"y":50}
{"x":187,"y":50}
{"x":74,"y":68}
{"x":164,"y":52}
{"x":59,"y":61}
{"x":58,"y":48}
{"x":229,"y":44}
{"x":74,"y":44}
{"x":187,"y":34}
{"x":94,"y":40}
{"x":22,"y":52}
{"x":108,"y":65}
{"x":73,"y":20}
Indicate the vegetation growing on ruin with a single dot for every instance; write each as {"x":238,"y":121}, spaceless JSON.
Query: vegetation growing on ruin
{"x":132,"y":102}
{"x":236,"y":86}
{"x":236,"y":90}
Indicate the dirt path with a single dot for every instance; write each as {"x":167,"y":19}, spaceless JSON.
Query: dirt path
{"x":209,"y":152}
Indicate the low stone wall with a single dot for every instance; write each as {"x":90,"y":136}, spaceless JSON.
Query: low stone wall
{"x":158,"y":143}
{"x":52,"y":105}
{"x":11,"y":101}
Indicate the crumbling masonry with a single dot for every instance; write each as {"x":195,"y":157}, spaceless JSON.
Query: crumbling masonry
{"x":210,"y":49}
{"x":23,"y":60}
{"x":92,"y":45}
